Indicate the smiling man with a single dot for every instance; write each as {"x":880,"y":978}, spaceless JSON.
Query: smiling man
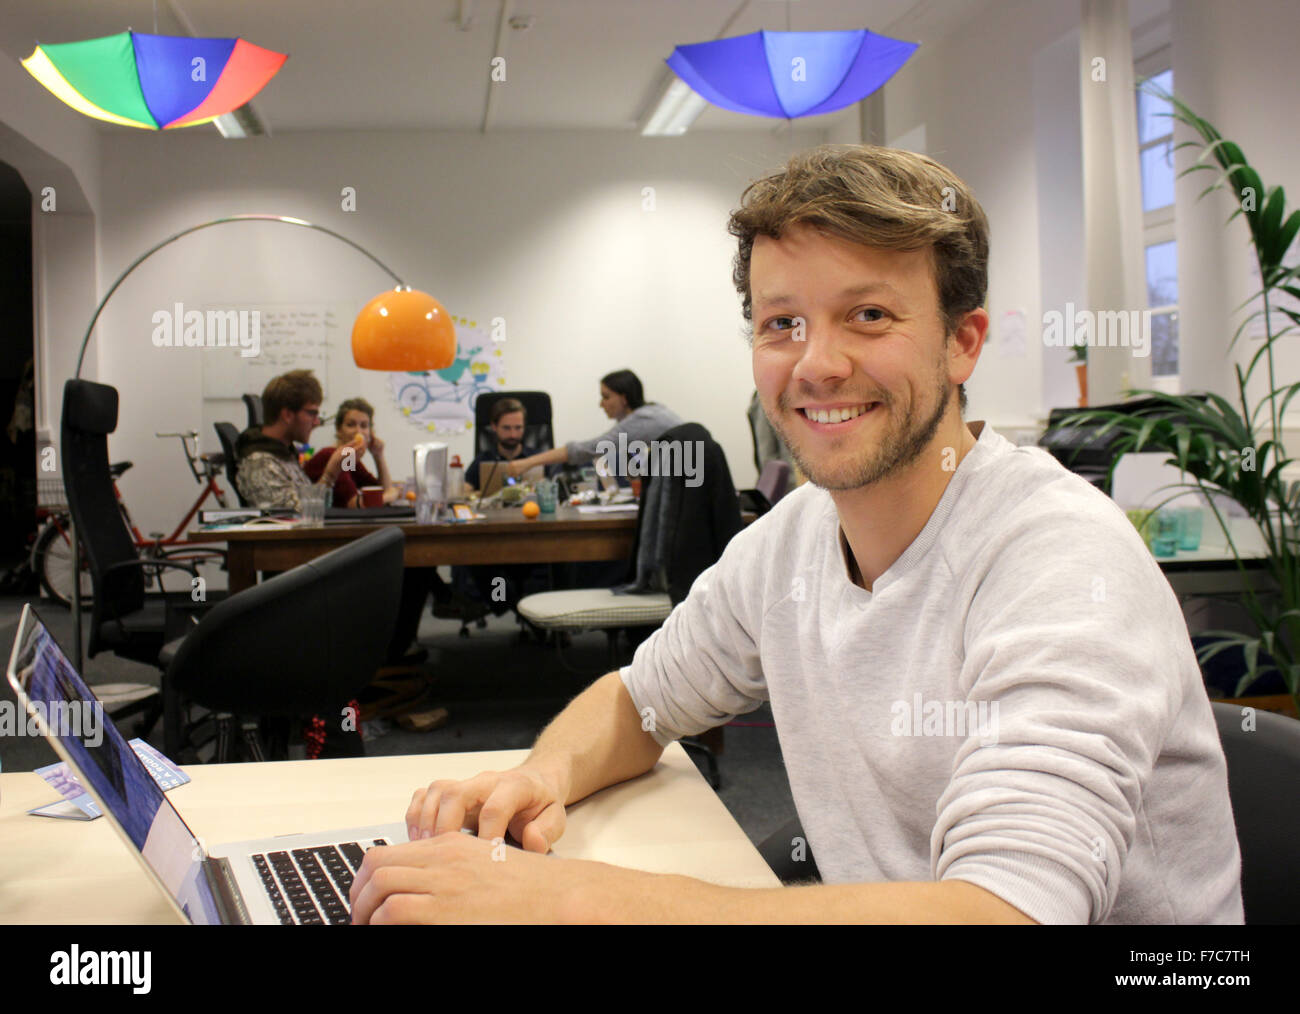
{"x":988,"y":704}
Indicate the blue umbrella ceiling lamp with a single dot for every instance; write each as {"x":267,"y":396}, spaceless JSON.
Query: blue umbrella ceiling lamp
{"x":790,"y":74}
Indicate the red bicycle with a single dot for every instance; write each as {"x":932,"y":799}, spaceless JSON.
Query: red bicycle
{"x":51,"y":557}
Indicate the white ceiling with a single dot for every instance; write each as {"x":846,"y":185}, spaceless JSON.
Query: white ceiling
{"x":584,"y":64}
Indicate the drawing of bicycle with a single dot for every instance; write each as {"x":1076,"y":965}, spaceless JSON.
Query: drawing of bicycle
{"x":416,"y":396}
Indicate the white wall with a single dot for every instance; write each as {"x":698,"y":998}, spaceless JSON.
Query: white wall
{"x":978,"y":97}
{"x":53,"y":147}
{"x":545,"y":229}
{"x":975,"y":94}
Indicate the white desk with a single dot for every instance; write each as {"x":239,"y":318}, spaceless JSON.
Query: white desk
{"x":62,"y":871}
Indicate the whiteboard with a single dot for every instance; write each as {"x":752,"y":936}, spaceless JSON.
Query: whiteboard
{"x":293,"y":336}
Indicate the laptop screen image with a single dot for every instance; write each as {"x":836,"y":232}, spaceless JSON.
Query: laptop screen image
{"x":109,"y":769}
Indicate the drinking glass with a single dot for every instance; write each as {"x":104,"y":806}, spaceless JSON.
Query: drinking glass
{"x":1190,"y":520}
{"x":312,"y":501}
{"x":546,"y":496}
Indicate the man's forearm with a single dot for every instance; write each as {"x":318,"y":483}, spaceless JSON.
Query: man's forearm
{"x":596,"y":741}
{"x":620,"y":895}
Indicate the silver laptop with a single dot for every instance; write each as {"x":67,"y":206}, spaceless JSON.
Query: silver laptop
{"x":292,"y":879}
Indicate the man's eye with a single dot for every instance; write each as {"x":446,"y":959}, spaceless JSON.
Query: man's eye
{"x":783,"y":323}
{"x":873,"y":309}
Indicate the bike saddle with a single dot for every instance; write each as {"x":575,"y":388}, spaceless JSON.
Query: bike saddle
{"x":117,"y":468}
{"x":213,"y":457}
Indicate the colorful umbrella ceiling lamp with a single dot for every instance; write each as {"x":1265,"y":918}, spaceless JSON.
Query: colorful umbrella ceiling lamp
{"x":790,"y":74}
{"x":156,"y":82}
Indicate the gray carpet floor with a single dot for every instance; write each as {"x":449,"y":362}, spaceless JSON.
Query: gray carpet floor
{"x":500,"y":691}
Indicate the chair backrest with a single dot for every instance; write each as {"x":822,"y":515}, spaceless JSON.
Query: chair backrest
{"x":706,"y":515}
{"x":774,"y":482}
{"x":305,"y":642}
{"x":253,"y":402}
{"x":1263,"y":771}
{"x":537,"y":420}
{"x":228,"y":435}
{"x":89,"y":416}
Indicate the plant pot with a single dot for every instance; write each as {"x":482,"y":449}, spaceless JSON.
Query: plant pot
{"x":1081,"y":371}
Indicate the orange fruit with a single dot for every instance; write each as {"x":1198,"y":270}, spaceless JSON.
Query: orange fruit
{"x":359,"y":441}
{"x":410,"y":495}
{"x":531,"y":510}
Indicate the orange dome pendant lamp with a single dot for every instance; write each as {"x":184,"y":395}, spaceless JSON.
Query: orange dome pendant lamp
{"x":403,"y":331}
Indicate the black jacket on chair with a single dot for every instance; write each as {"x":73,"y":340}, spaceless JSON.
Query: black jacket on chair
{"x":700,"y":520}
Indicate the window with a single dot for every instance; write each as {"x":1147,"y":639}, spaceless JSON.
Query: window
{"x":1155,"y":156}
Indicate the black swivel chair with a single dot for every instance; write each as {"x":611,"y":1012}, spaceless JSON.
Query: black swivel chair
{"x":253,"y":402}
{"x":537,"y":416}
{"x":124,"y":619}
{"x":303,"y":643}
{"x":1261,"y":762}
{"x":1263,"y":766}
{"x":228,"y":436}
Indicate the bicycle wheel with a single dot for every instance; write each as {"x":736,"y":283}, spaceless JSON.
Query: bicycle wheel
{"x":52,"y":561}
{"x":413,"y":397}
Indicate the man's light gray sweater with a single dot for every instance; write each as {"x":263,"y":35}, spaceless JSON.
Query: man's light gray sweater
{"x":1016,"y":703}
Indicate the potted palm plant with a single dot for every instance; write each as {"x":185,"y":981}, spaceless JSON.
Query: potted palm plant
{"x":1236,"y":449}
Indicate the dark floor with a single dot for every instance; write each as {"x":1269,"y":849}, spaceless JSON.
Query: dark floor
{"x":500,"y":691}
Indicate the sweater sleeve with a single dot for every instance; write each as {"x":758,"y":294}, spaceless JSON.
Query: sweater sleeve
{"x":702,"y":668}
{"x":1074,"y":643}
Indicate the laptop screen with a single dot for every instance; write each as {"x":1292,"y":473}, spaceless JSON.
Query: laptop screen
{"x":108,"y":768}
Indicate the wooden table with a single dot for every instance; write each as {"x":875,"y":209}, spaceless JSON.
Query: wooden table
{"x":504,"y":536}
{"x":63,"y":871}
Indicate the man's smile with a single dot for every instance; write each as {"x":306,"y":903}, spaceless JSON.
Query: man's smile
{"x":834,"y":418}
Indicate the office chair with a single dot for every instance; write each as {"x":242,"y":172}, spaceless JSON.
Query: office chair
{"x":787,"y":852}
{"x":228,"y":436}
{"x":1263,"y":766}
{"x":537,"y":420}
{"x":773,"y":484}
{"x":253,"y":402}
{"x":302,"y":643}
{"x":1083,"y":451}
{"x":124,"y":620}
{"x":698,"y":523}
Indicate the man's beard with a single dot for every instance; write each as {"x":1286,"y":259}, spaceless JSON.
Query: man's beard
{"x":509,"y":445}
{"x":899,"y":447}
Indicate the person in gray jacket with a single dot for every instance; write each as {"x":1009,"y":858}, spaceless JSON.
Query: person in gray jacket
{"x":623,"y":399}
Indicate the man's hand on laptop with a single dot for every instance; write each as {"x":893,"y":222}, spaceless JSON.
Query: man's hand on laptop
{"x":456,"y":878}
{"x":524,"y":801}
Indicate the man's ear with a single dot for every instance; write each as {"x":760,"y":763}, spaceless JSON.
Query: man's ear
{"x":965,"y":344}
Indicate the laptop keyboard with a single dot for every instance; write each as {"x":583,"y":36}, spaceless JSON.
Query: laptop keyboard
{"x":310,"y":886}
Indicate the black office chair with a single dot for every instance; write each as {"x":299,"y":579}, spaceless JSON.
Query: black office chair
{"x":537,"y":420}
{"x":124,"y":619}
{"x":700,"y":522}
{"x":228,"y":436}
{"x":1263,"y":766}
{"x":1084,"y":451}
{"x":302,"y":643}
{"x":787,"y":852}
{"x":253,"y":402}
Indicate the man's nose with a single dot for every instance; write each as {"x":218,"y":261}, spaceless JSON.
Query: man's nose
{"x":824,"y":353}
